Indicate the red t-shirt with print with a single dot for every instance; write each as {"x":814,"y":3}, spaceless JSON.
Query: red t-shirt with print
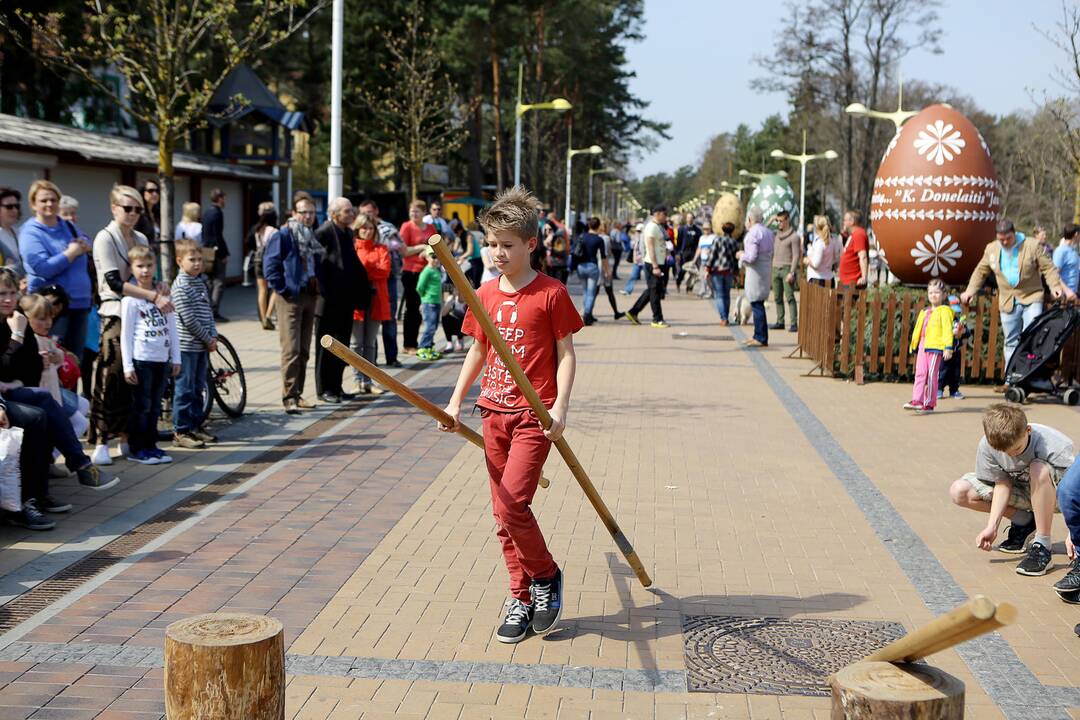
{"x":412,"y":235}
{"x":531,"y":321}
{"x":849,"y":259}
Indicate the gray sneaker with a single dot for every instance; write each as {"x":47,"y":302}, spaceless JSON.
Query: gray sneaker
{"x":1036,"y":561}
{"x":95,"y":478}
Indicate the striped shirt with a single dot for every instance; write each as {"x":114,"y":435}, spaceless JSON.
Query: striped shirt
{"x":196,"y":318}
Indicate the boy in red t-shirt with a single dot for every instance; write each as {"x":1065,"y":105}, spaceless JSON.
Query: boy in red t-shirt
{"x":537,"y":318}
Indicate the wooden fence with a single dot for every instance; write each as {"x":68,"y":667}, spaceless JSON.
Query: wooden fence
{"x":865,"y":335}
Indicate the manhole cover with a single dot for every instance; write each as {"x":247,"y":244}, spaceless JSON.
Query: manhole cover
{"x":776,"y":656}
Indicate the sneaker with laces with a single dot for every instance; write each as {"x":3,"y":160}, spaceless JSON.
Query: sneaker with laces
{"x":1071,"y":582}
{"x":203,"y":435}
{"x":100,"y":456}
{"x":189,"y":441}
{"x":912,"y":406}
{"x":515,"y":624}
{"x":547,"y":603}
{"x":96,"y":479}
{"x":659,"y":324}
{"x":28,"y":517}
{"x":1017,"y":538}
{"x":1036,"y":562}
{"x":143,"y":457}
{"x":161,"y":455}
{"x":632,"y":317}
{"x":51,"y":505}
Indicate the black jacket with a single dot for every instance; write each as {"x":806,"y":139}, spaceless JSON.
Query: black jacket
{"x":342,"y":277}
{"x":19,"y":361}
{"x":213,"y":231}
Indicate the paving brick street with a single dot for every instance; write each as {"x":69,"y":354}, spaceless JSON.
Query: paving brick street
{"x":813,"y":507}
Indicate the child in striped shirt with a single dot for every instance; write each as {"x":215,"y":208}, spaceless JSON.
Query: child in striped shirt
{"x":198,"y":338}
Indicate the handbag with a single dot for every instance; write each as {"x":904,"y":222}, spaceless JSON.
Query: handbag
{"x":208,"y":255}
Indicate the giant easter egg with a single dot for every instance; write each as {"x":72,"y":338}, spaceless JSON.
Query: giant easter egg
{"x":936,"y":198}
{"x":728,"y":209}
{"x":774,"y":194}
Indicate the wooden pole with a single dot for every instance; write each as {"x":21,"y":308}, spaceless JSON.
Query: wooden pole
{"x":954,"y":623}
{"x":1004,"y":614}
{"x":404,"y":392}
{"x":465,"y":289}
{"x":883,"y":691}
{"x":225,"y":666}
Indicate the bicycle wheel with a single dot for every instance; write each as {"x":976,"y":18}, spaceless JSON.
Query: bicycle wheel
{"x":227,"y":381}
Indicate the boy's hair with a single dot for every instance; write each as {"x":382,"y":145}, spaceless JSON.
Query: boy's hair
{"x":184,"y":247}
{"x":36,"y":306}
{"x":1003,"y":424}
{"x":594,"y":223}
{"x":57,"y":295}
{"x":1070,"y":231}
{"x":140,"y":252}
{"x":514,"y":210}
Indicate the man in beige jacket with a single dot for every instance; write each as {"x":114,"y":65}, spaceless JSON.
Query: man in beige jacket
{"x":1019,"y":268}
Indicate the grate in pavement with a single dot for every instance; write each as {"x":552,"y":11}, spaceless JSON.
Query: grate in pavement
{"x":775,"y":656}
{"x":47,"y":592}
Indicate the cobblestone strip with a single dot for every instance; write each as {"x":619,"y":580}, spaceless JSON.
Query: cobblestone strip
{"x":992,"y":661}
{"x":619,"y":679}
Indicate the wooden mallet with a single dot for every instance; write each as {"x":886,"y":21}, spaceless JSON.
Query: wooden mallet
{"x":404,"y":392}
{"x":529,"y":392}
{"x":885,"y":686}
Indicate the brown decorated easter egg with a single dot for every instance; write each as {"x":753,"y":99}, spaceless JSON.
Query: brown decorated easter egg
{"x":936,"y":198}
{"x":728,"y":209}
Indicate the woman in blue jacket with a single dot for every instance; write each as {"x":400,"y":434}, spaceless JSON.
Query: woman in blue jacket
{"x":55,"y":251}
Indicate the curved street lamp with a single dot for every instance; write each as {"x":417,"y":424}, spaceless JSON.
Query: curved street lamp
{"x":601,"y":171}
{"x":802,"y":159}
{"x":558,"y":105}
{"x":897,"y":116}
{"x":758,"y":176}
{"x":570,"y":153}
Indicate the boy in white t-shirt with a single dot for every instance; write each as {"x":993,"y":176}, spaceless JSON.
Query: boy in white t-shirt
{"x":150,"y":350}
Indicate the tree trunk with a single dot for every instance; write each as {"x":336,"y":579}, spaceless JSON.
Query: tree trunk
{"x":884,"y":691}
{"x":165,"y":183}
{"x":535,"y":181}
{"x":496,"y":105}
{"x":225,"y":666}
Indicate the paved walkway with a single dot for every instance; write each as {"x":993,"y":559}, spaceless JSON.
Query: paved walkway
{"x":793,"y":510}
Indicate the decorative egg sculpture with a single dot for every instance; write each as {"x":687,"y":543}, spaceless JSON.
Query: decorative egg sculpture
{"x":936,"y":198}
{"x":772,"y":195}
{"x":728,"y":209}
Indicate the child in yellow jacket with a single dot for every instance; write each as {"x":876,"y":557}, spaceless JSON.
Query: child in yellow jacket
{"x":933,"y":336}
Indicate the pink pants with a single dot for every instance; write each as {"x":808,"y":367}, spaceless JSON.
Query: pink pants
{"x":927,"y":367}
{"x":515,"y":449}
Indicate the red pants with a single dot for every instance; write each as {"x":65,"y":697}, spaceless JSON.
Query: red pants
{"x":515,"y":449}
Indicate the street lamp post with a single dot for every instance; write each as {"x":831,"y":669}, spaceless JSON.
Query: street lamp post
{"x":802,"y":159}
{"x":603,"y":194}
{"x":602,"y":171}
{"x":558,"y":105}
{"x":570,"y":153}
{"x":334,"y":173}
{"x":898,"y":116}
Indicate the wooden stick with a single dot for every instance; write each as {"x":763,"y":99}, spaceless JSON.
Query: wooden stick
{"x":1005,"y":614}
{"x":404,"y":392}
{"x":465,"y":288}
{"x":938,"y":633}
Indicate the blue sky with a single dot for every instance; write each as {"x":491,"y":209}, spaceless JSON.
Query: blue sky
{"x":695,"y":64}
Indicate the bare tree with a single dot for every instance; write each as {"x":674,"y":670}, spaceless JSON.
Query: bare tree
{"x":419,"y":118}
{"x":1065,"y":36}
{"x":173,"y":56}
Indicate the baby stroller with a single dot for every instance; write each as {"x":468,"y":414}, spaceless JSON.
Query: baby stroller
{"x":1033,"y":367}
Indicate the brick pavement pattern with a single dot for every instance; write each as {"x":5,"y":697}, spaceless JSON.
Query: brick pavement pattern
{"x":376,"y":549}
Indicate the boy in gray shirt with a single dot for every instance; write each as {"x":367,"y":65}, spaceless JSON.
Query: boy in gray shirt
{"x":1017,"y":469}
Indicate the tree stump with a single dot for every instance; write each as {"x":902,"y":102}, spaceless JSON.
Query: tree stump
{"x":884,"y":691}
{"x":225,"y":666}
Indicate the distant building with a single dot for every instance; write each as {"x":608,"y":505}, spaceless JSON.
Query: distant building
{"x":246,"y":151}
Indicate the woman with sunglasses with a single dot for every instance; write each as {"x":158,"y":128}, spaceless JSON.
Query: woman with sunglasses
{"x":10,"y":210}
{"x":54,"y":250}
{"x":110,"y":407}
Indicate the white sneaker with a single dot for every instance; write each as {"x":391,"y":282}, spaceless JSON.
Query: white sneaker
{"x":100,"y":456}
{"x":449,"y":348}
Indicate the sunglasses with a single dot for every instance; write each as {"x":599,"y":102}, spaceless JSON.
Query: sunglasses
{"x":131,"y":209}
{"x":152,"y":190}
{"x":10,"y":206}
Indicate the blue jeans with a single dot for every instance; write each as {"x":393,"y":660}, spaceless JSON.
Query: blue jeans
{"x":590,"y":275}
{"x":1068,"y":499}
{"x":71,"y":329}
{"x":635,"y":275}
{"x":430,"y":313}
{"x":60,"y":433}
{"x":1014,"y":322}
{"x":389,"y":327}
{"x":761,"y":323}
{"x":146,"y":404}
{"x":188,"y":390}
{"x":721,"y":287}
